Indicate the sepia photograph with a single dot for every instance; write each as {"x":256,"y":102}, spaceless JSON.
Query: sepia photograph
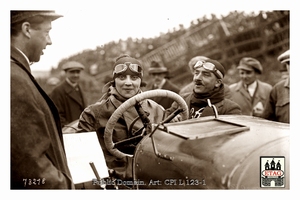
{"x":184,"y":96}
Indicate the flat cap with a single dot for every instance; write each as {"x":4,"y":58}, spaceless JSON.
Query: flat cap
{"x":20,"y":15}
{"x":284,"y":57}
{"x":72,"y":65}
{"x":248,"y":63}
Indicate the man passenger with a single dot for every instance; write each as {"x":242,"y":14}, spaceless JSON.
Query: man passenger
{"x":208,"y":89}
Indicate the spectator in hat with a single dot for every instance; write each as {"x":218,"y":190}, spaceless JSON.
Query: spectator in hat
{"x":250,"y":93}
{"x":38,"y":159}
{"x":208,"y":90}
{"x":278,"y":103}
{"x":159,"y":75}
{"x":68,"y":96}
{"x":189,"y":87}
{"x":126,"y":83}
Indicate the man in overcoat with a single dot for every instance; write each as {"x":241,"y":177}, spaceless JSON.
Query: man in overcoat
{"x":38,"y":159}
{"x":250,"y":93}
{"x":278,"y":104}
{"x":69,"y":96}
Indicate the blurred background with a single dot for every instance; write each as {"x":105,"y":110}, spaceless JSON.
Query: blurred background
{"x":262,"y":34}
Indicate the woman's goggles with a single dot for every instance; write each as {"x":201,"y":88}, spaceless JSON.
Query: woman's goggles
{"x":120,"y":68}
{"x":209,"y":66}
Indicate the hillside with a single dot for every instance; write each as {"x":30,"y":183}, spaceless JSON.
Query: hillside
{"x":263,"y":36}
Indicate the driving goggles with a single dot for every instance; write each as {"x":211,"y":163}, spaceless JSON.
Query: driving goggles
{"x":120,"y":68}
{"x":209,"y":66}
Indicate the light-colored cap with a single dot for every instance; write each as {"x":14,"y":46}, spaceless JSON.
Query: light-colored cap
{"x":248,"y":63}
{"x":74,"y":65}
{"x":20,"y":15}
{"x":284,"y":57}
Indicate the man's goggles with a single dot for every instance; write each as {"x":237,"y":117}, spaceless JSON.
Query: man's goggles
{"x":121,"y":68}
{"x":209,"y":66}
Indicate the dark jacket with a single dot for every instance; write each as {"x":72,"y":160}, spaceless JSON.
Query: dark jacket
{"x":278,"y":104}
{"x":95,"y":117}
{"x":224,"y":107}
{"x":163,"y":101}
{"x":68,"y":102}
{"x":37,"y":150}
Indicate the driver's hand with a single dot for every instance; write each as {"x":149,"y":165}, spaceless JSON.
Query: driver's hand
{"x":177,"y":118}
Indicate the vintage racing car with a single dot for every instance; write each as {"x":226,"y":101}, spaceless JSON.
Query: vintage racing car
{"x":217,"y":152}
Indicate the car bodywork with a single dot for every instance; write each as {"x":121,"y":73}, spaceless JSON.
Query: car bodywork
{"x":210,"y":153}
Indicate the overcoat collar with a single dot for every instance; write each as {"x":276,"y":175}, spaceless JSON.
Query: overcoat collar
{"x":16,"y":55}
{"x":240,"y":87}
{"x":259,"y":94}
{"x":72,"y":93}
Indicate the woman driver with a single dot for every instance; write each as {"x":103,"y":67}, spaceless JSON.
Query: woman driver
{"x":127,"y":80}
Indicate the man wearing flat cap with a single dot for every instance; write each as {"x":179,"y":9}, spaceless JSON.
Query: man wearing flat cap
{"x":159,"y":75}
{"x":68,"y":96}
{"x":250,"y":93}
{"x":278,"y":104}
{"x":38,"y":159}
{"x":208,"y":90}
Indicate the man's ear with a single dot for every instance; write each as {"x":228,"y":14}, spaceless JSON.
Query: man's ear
{"x":218,"y":82}
{"x":26,"y":29}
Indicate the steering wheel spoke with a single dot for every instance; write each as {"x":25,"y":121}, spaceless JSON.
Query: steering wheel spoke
{"x":110,"y":145}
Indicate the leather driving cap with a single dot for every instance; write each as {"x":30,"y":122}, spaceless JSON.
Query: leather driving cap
{"x":248,"y":63}
{"x":20,"y":15}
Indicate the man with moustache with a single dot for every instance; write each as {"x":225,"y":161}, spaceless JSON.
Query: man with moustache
{"x":189,"y":87}
{"x":208,"y":90}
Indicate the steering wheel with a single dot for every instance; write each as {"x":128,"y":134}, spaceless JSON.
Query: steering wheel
{"x":108,"y":139}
